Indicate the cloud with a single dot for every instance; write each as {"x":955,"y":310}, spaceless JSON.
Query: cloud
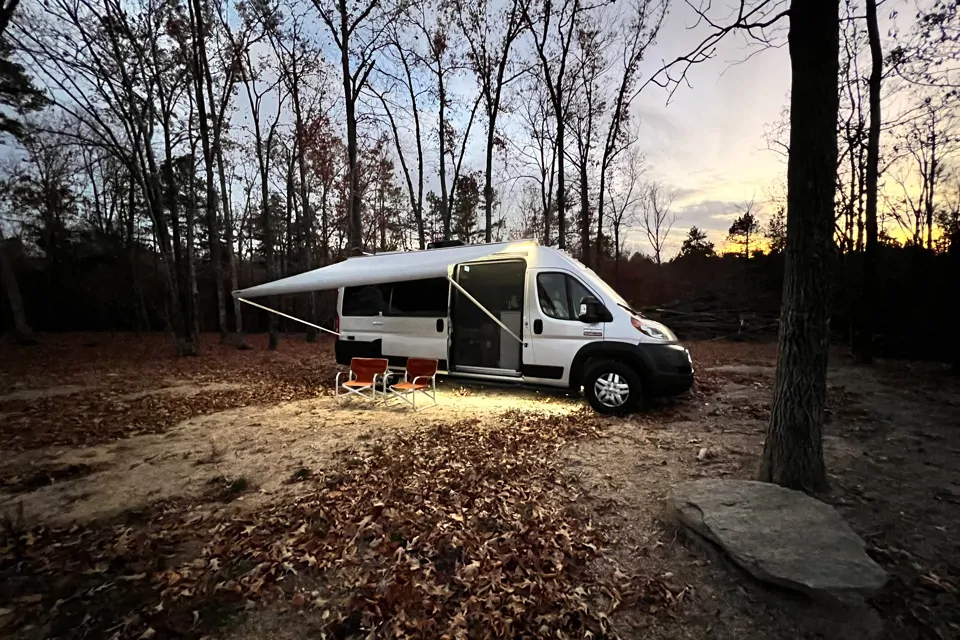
{"x":708,"y":214}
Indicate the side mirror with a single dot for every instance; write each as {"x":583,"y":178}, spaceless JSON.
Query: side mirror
{"x":592,"y":310}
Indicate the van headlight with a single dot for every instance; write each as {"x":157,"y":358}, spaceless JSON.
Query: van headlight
{"x":654,"y":332}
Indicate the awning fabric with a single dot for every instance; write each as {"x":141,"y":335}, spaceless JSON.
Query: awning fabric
{"x":380,"y":268}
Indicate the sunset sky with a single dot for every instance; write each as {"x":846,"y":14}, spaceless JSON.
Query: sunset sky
{"x":709,"y":142}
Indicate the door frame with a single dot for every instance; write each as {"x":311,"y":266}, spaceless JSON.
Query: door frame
{"x":454,"y":277}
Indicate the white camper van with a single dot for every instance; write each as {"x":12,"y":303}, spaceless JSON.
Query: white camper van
{"x":507,"y":312}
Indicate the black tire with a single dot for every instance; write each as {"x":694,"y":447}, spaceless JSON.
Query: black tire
{"x":613,"y":373}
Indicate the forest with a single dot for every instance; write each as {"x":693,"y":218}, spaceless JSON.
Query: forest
{"x":165,"y":153}
{"x":176,"y":466}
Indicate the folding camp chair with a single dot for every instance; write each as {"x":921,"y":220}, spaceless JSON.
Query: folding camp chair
{"x":362,"y":379}
{"x":421,"y":376}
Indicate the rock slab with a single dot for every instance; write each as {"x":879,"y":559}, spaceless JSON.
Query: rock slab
{"x":780,"y":536}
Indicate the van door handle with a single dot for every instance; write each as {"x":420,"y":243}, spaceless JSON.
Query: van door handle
{"x":538,"y":326}
{"x":377,"y":324}
{"x":439,"y":325}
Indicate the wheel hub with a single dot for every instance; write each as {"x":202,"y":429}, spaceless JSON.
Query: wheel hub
{"x":611,"y":389}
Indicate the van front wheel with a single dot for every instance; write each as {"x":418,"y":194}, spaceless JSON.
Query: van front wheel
{"x":613,"y":388}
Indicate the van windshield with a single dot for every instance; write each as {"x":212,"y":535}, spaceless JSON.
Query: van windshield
{"x":599,"y":283}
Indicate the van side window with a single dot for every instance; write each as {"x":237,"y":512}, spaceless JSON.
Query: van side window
{"x":560,"y":295}
{"x":413,"y":299}
{"x":365,"y":301}
{"x":419,"y":298}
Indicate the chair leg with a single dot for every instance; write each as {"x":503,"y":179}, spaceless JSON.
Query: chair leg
{"x":427,"y":393}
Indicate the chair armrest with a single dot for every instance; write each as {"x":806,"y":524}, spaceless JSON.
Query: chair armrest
{"x":431,"y":378}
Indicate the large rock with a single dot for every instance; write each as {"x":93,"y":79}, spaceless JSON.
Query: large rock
{"x":780,"y":536}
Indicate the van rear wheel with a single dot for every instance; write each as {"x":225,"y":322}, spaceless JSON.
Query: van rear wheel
{"x":613,"y":388}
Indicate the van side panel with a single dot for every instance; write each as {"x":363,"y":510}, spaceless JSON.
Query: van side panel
{"x":396,"y":320}
{"x":415,"y":337}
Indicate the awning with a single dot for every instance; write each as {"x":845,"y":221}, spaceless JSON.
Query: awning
{"x":383,"y":267}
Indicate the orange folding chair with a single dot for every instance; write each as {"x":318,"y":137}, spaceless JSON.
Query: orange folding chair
{"x":421,"y":375}
{"x":362,"y":379}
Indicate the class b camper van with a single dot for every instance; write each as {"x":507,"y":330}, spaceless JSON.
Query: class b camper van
{"x":507,"y":312}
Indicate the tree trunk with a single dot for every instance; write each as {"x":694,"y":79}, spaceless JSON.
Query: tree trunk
{"x":213,"y":232}
{"x":354,"y":228}
{"x":488,"y":179}
{"x":140,"y":318}
{"x":268,"y":250}
{"x":445,"y":205}
{"x":325,"y":228}
{"x":603,"y":191}
{"x":193,"y":294}
{"x":561,"y":195}
{"x":584,"y":213}
{"x":863,"y":338}
{"x":953,"y":253}
{"x":307,"y":216}
{"x":616,"y":253}
{"x":929,"y":206}
{"x":231,"y":255}
{"x":21,"y":328}
{"x":180,"y":309}
{"x":793,"y":450}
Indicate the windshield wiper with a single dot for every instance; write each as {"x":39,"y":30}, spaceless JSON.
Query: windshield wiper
{"x":633,"y":311}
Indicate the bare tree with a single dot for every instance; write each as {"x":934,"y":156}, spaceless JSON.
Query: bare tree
{"x":927,"y":139}
{"x":490,"y":34}
{"x":626,"y":194}
{"x":656,"y":218}
{"x":412,"y":91}
{"x":552,"y":27}
{"x":639,"y":34}
{"x":587,"y":107}
{"x":303,"y":75}
{"x":200,"y":74}
{"x":538,"y":150}
{"x":442,"y":58}
{"x":357,"y":28}
{"x":118,"y":78}
{"x":264,"y":136}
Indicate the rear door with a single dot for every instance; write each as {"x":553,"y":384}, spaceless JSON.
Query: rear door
{"x":556,"y":333}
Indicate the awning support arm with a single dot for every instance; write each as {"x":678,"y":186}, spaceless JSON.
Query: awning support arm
{"x":309,"y":324}
{"x":485,"y":310}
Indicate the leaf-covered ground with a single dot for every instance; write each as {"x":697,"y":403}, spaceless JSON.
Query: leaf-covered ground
{"x":106,"y":376}
{"x":459,"y":531}
{"x":494,"y":515}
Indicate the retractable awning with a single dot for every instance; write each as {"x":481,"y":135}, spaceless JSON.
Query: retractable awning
{"x":383,"y":267}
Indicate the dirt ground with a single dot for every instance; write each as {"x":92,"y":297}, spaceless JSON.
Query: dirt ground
{"x":163,"y":470}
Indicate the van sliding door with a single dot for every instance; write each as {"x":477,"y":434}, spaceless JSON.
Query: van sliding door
{"x":414,"y":323}
{"x":480,"y":345}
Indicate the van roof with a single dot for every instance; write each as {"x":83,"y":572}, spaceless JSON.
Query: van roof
{"x":395,"y":266}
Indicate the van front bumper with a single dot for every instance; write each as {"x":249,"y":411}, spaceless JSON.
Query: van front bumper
{"x":669,"y":368}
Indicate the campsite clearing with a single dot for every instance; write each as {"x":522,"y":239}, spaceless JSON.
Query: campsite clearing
{"x":234,"y":492}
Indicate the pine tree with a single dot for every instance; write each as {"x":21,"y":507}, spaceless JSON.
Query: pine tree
{"x":742,"y":229}
{"x":696,"y":244}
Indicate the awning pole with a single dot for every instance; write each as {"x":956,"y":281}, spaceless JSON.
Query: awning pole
{"x":309,"y":324}
{"x":485,"y":310}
